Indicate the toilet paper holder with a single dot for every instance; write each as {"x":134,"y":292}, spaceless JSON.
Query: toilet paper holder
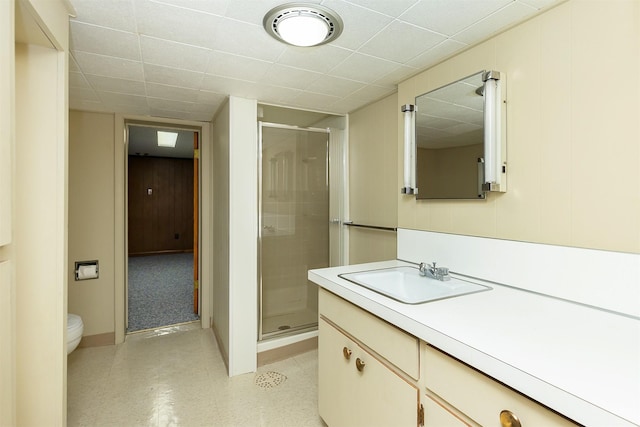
{"x":87,"y":270}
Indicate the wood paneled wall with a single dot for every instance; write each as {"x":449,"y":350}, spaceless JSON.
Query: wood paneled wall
{"x":163,"y":220}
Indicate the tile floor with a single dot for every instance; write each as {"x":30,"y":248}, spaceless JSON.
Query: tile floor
{"x":176,"y":377}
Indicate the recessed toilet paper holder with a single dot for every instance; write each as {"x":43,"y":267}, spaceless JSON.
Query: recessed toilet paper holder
{"x":87,"y":270}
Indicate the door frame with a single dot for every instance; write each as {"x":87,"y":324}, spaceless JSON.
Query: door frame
{"x":121,"y":218}
{"x":261,"y":125}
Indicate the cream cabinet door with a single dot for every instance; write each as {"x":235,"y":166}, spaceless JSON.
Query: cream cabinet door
{"x":437,"y":416}
{"x":373,"y":395}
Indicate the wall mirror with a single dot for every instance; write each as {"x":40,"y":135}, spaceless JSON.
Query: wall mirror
{"x":450,"y":134}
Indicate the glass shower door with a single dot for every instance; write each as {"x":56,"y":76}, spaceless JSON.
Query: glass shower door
{"x":294,"y":226}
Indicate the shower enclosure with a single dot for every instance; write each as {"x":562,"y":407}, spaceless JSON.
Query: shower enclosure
{"x":294,"y":225}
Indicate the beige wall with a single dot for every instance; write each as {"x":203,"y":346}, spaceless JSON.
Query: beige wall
{"x":7,"y":280}
{"x":454,"y":169}
{"x":33,"y":273}
{"x":573,"y":102}
{"x":373,"y":182}
{"x":221,"y":189}
{"x":91,"y":217}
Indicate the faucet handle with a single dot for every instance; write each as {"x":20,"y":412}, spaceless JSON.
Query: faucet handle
{"x":422,"y":268}
{"x":442,"y":273}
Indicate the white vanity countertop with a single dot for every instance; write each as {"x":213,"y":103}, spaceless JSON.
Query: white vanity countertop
{"x":580,"y":361}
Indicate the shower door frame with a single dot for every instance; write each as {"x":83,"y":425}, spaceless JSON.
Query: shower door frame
{"x":261,"y":124}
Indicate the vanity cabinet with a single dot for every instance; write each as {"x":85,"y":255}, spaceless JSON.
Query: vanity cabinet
{"x":458,"y":395}
{"x":369,"y":370}
{"x":372,"y":373}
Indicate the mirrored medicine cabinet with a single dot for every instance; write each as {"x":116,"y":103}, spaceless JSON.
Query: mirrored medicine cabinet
{"x":459,"y":139}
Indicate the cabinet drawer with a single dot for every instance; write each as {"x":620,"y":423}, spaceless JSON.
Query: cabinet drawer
{"x":369,"y":396}
{"x":392,"y":343}
{"x":480,"y":397}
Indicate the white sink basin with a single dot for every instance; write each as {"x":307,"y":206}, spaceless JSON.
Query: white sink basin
{"x":405,"y":284}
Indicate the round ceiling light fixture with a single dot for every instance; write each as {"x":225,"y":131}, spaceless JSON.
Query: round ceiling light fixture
{"x":303,"y":24}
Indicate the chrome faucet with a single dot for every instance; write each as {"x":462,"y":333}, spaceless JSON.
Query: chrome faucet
{"x":430,"y":270}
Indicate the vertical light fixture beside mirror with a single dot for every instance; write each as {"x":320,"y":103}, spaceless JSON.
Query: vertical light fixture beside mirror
{"x":409,"y":172}
{"x":494,"y":132}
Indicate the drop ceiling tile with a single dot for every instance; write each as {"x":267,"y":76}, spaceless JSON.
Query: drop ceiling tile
{"x":399,"y":74}
{"x":347,"y":105}
{"x":392,"y":8}
{"x":171,"y":54}
{"x":241,"y":38}
{"x":139,"y":110}
{"x":209,"y":109}
{"x":281,"y":75}
{"x":276,"y":95}
{"x":238,"y":67}
{"x":451,"y":16}
{"x":175,"y":93}
{"x":177,"y":24}
{"x":104,"y":41}
{"x":200,"y":116}
{"x":77,"y":80}
{"x":372,"y":93}
{"x":335,"y":86}
{"x":229,"y":86}
{"x":216,"y":7}
{"x":252,"y":11}
{"x":436,"y":54}
{"x":363,"y":68}
{"x":316,"y":101}
{"x":110,"y":98}
{"x":321,"y":58}
{"x":109,"y":66}
{"x":169,"y":105}
{"x":539,"y":4}
{"x":210,"y":98}
{"x":360,"y":24}
{"x":172,"y":76}
{"x":170,"y":114}
{"x":109,"y":84}
{"x":491,"y":25}
{"x":116,"y":14}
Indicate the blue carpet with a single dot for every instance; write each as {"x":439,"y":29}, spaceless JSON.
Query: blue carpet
{"x":160,"y":291}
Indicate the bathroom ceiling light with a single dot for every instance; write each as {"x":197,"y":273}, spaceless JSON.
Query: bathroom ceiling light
{"x":302,"y":24}
{"x":167,"y":139}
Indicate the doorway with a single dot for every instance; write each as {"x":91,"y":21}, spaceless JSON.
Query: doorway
{"x":162,"y":226}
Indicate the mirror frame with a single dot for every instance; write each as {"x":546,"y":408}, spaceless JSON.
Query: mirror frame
{"x":491,"y":159}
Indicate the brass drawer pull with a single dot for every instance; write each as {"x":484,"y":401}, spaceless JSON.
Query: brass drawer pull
{"x":509,"y":419}
{"x":346,"y":353}
{"x":359,"y":364}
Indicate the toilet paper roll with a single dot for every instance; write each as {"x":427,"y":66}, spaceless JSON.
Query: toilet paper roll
{"x":87,"y":272}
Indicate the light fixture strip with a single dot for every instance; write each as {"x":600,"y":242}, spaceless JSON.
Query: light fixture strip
{"x":492,"y":131}
{"x":409,"y":167}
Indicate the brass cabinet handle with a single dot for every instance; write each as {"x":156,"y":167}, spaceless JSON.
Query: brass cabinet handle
{"x":346,"y":353}
{"x":509,"y":419}
{"x":359,"y":364}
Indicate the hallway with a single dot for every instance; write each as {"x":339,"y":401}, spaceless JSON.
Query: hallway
{"x":176,"y":376}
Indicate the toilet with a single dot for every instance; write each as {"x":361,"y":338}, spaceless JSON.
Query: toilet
{"x":74,"y":331}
